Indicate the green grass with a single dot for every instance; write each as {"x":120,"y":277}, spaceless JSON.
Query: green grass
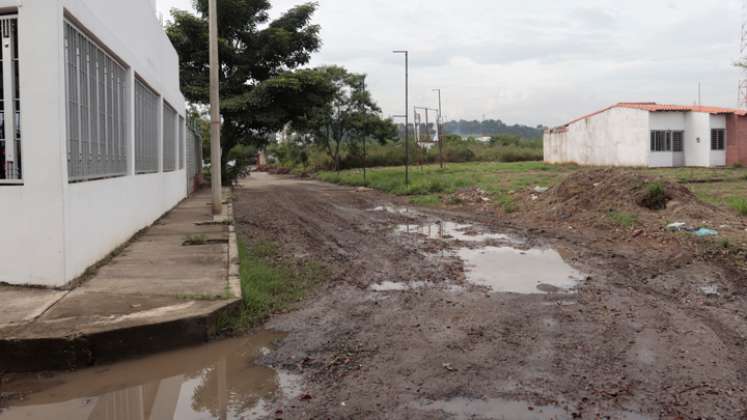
{"x":739,"y":204}
{"x":624,"y":219}
{"x":430,"y":180}
{"x":431,"y":186}
{"x":271,"y":283}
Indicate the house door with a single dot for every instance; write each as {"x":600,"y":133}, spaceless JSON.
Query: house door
{"x":10,"y":106}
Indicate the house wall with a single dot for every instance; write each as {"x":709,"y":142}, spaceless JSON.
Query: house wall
{"x":616,"y":137}
{"x":736,"y":140}
{"x":53,"y":230}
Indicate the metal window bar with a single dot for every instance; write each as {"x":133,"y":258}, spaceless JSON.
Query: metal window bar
{"x":11,"y":168}
{"x":95,"y":87}
{"x":169,"y":138}
{"x":146,"y":129}
{"x":181,"y":142}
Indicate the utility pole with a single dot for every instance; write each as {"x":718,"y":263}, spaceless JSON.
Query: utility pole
{"x":407,"y":113}
{"x":215,"y":120}
{"x":440,"y":130}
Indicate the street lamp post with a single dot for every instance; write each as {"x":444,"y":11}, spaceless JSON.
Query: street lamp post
{"x":440,"y":131}
{"x":215,"y":123}
{"x":407,"y":113}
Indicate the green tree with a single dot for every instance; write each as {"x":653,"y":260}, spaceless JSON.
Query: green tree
{"x":260,"y":89}
{"x":349,"y":116}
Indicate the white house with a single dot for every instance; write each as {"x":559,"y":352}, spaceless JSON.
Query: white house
{"x":90,"y":96}
{"x":650,"y":134}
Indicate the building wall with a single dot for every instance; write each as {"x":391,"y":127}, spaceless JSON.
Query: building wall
{"x":736,"y":140}
{"x":616,"y":137}
{"x":54,"y":230}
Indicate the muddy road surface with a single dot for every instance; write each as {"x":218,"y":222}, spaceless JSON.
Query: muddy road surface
{"x":432,"y":314}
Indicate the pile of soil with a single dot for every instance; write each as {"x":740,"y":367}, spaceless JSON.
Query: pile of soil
{"x":590,"y":197}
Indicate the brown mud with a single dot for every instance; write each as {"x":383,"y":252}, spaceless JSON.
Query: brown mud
{"x":418,"y":319}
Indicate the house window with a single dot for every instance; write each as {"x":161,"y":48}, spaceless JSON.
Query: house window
{"x":169,"y":138}
{"x":181,"y":143}
{"x":667,"y":141}
{"x":96,"y":89}
{"x":146,"y":129}
{"x":678,"y":141}
{"x":11,"y":170}
{"x":718,"y":139}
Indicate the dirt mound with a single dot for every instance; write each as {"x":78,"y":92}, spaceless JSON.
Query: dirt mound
{"x":602,"y":192}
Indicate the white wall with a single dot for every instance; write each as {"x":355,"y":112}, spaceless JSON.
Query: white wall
{"x":697,"y":139}
{"x":616,"y":137}
{"x":53,"y":230}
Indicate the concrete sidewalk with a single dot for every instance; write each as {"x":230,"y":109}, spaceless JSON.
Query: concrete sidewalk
{"x":168,"y":288}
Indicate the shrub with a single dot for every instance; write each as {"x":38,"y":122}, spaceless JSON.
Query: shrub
{"x":654,"y":197}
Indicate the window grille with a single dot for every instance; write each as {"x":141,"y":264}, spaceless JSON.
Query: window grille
{"x":146,"y":129}
{"x":667,"y":141}
{"x":169,"y":138}
{"x":96,"y":91}
{"x":181,"y":143}
{"x":11,"y":168}
{"x":718,"y":139}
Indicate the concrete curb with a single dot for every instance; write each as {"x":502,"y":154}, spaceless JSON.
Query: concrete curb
{"x":85,"y":350}
{"x":83,"y":346}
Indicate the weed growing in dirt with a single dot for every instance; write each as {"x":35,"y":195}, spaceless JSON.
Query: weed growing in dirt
{"x":739,"y":204}
{"x":654,"y":197}
{"x":623,"y":219}
{"x":193,"y":240}
{"x":271,"y":282}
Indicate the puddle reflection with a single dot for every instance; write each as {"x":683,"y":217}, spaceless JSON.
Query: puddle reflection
{"x":453,"y":231}
{"x":214,"y":381}
{"x":510,"y":270}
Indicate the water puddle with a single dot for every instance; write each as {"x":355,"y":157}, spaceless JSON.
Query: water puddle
{"x":393,"y":209}
{"x":452,"y":231}
{"x":464,"y":408}
{"x":510,"y":270}
{"x":711,"y":291}
{"x":390,"y":286}
{"x":213,"y":381}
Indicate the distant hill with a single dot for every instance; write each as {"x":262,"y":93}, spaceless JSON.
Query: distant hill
{"x":489,"y":128}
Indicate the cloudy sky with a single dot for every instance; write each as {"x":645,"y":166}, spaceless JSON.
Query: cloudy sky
{"x":533,"y":61}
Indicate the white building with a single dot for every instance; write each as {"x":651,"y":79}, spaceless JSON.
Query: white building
{"x":650,"y":134}
{"x":90,"y":93}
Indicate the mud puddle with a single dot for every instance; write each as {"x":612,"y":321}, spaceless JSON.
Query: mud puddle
{"x":503,"y":269}
{"x":453,"y":231}
{"x":214,"y":381}
{"x":511,"y":270}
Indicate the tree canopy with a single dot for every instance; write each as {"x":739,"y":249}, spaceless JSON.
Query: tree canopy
{"x":261,"y":88}
{"x":349,"y":116}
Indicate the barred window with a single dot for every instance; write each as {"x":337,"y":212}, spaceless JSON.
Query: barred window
{"x":146,"y":129}
{"x":11,"y":168}
{"x":718,"y":139}
{"x":96,"y":113}
{"x":181,"y":143}
{"x":667,"y":141}
{"x":169,"y":138}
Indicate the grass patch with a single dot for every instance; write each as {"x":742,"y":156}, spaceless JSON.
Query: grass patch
{"x":623,"y":219}
{"x":425,"y":200}
{"x":271,"y":283}
{"x":195,"y":240}
{"x":739,"y":204}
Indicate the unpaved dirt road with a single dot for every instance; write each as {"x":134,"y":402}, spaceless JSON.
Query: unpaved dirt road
{"x":418,"y":319}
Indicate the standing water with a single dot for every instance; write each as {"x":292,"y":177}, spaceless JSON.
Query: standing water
{"x":213,"y":381}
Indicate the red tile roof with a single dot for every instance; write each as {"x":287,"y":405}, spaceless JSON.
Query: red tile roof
{"x":654,"y":107}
